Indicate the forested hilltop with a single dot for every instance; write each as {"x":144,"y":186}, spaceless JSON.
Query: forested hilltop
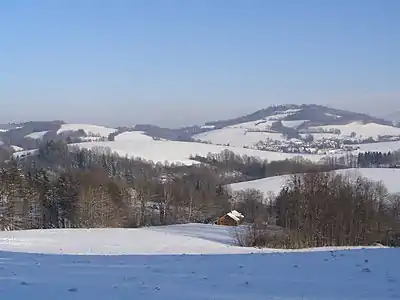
{"x":62,"y":187}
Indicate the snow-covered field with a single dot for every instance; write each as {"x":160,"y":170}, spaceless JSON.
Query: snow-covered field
{"x":383,"y":147}
{"x":133,"y":136}
{"x":194,"y":238}
{"x":249,"y":133}
{"x":237,"y":137}
{"x":176,"y":239}
{"x":23,"y":153}
{"x":222,"y":274}
{"x":89,"y":129}
{"x":365,"y":131}
{"x":179,"y":152}
{"x":36,"y":135}
{"x":389,"y":177}
{"x":16,"y":148}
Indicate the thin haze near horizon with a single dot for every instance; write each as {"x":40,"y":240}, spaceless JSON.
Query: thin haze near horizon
{"x":176,"y":63}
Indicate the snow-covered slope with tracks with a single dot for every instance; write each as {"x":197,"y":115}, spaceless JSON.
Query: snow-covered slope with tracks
{"x":158,"y":265}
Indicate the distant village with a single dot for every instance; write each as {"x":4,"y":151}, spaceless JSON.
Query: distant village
{"x":306,"y":143}
{"x":331,"y":141}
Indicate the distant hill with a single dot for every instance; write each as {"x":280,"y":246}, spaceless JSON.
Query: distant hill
{"x":277,"y":123}
{"x":394,"y":116}
{"x":317,"y":115}
{"x":307,"y":128}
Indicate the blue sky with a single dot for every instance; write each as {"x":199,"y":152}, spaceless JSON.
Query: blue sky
{"x":174,"y":62}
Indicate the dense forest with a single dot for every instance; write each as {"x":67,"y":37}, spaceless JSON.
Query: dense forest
{"x":91,"y":188}
{"x":378,"y":159}
{"x":64,"y":187}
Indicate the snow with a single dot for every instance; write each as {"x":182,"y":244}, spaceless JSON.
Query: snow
{"x":247,"y":134}
{"x":368,"y":130}
{"x":193,"y":238}
{"x":16,"y":148}
{"x":237,"y":137}
{"x":382,"y":147}
{"x":24,"y":153}
{"x":265,"y":185}
{"x":389,"y":177}
{"x":148,"y":272}
{"x":137,"y":136}
{"x":262,"y":124}
{"x":294,"y":124}
{"x":207,"y":127}
{"x":89,"y":129}
{"x":235,"y":215}
{"x":321,"y":136}
{"x":180,"y":152}
{"x":36,"y":135}
{"x":331,"y":115}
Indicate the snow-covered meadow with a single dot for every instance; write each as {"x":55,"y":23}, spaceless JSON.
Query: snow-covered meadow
{"x":89,"y":129}
{"x":247,"y":134}
{"x":159,"y":263}
{"x":389,"y":177}
{"x":361,"y":130}
{"x":136,"y":144}
{"x":36,"y":135}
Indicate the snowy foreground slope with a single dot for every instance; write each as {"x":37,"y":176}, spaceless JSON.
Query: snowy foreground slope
{"x":173,"y":240}
{"x":388,"y":176}
{"x":338,"y":274}
{"x":356,"y":274}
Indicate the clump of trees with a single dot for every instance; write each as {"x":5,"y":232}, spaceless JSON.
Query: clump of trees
{"x":328,"y":209}
{"x":377,"y":159}
{"x":252,"y":168}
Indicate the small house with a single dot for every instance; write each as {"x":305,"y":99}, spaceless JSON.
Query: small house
{"x":232,"y":218}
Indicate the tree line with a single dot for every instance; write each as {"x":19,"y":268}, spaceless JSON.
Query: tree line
{"x":377,"y":159}
{"x":324,"y":209}
{"x":251,"y":168}
{"x":60,"y":188}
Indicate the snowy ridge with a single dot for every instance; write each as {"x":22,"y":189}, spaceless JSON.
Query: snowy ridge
{"x":247,"y":134}
{"x":89,"y":129}
{"x":389,"y":177}
{"x":36,"y":135}
{"x":133,"y":136}
{"x":16,"y":148}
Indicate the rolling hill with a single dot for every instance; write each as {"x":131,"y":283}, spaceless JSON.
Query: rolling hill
{"x":274,"y":133}
{"x":137,"y":144}
{"x":389,"y":177}
{"x":299,"y":128}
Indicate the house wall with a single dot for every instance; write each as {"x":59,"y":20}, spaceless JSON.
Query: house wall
{"x":226,"y":221}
